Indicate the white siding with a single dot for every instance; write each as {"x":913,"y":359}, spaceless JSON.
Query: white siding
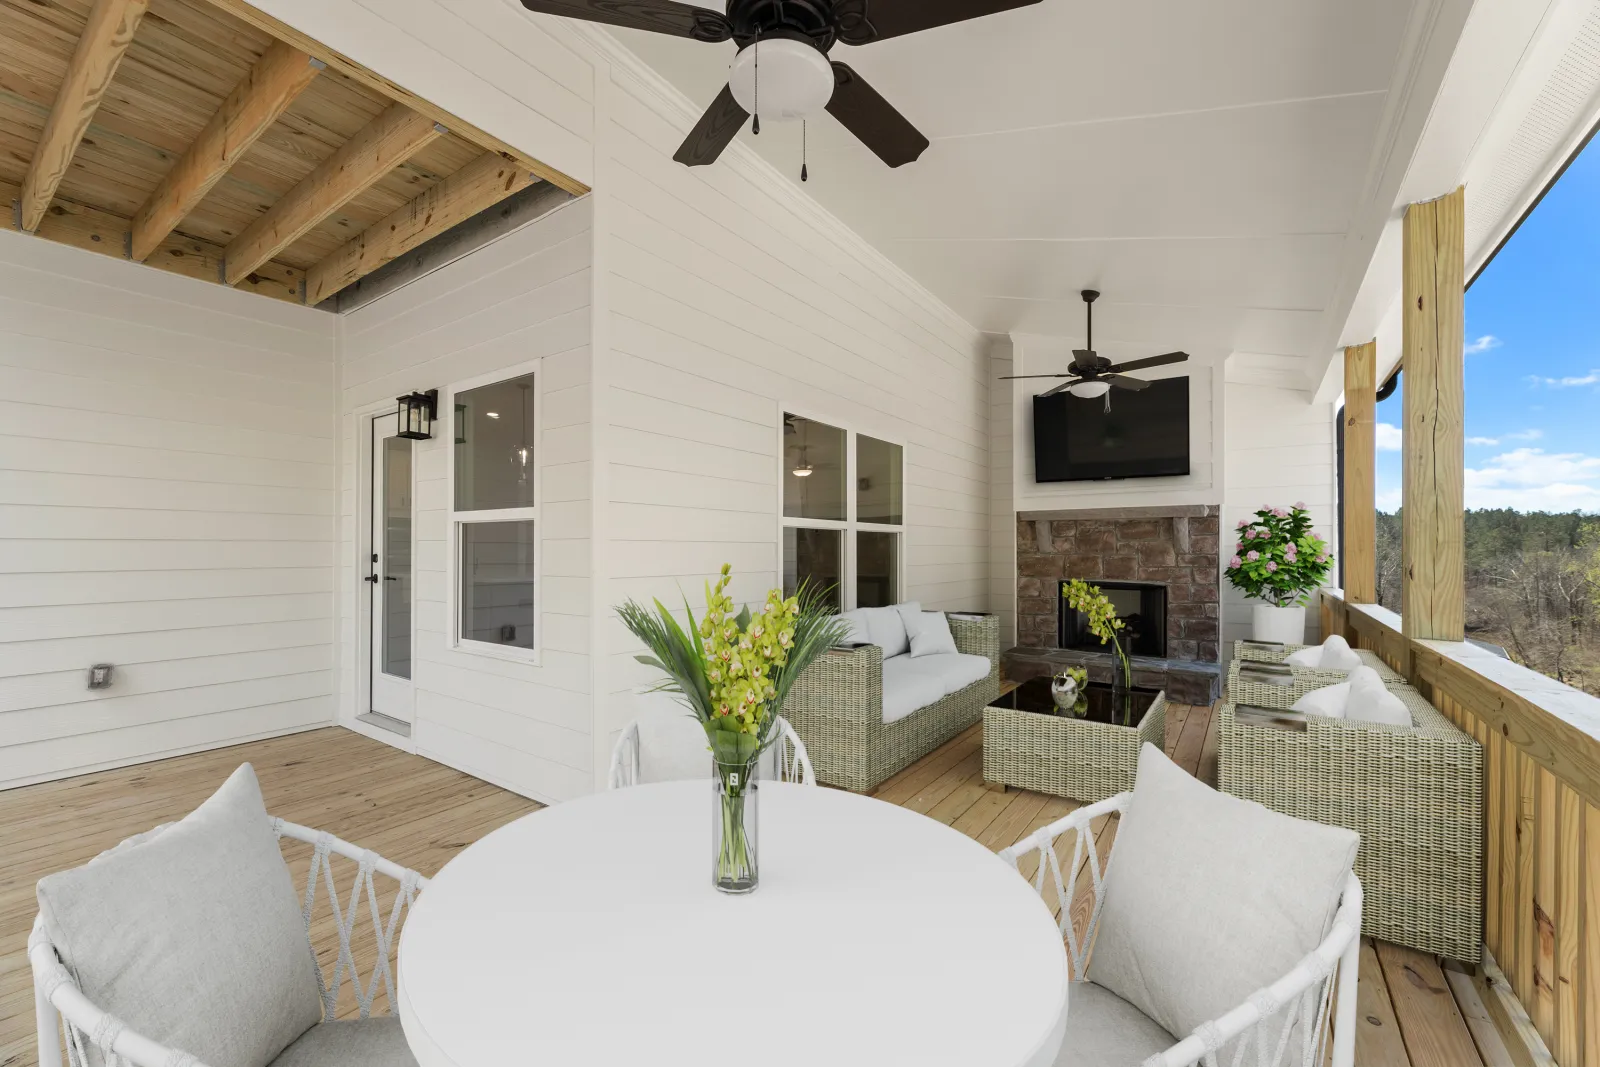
{"x":1002,"y":493}
{"x":524,"y":297}
{"x":1280,"y":451}
{"x":166,"y":505}
{"x":730,"y":299}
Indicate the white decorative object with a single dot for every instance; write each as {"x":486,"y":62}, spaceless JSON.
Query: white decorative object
{"x":1064,"y":691}
{"x":1334,"y":654}
{"x":1286,"y":626}
{"x":89,"y":1028}
{"x":637,"y":760}
{"x":608,"y":892}
{"x":1297,"y":1000}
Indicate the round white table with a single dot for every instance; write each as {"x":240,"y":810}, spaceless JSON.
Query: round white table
{"x":589,"y":934}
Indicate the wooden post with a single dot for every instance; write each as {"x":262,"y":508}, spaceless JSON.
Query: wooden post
{"x":1360,"y":474}
{"x":1433,"y":576}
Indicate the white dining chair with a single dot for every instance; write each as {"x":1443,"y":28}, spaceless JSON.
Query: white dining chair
{"x":164,"y":998}
{"x":665,"y":746}
{"x":1127,"y":1011}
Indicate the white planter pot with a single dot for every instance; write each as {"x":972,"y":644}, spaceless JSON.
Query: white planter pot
{"x":1284,"y":625}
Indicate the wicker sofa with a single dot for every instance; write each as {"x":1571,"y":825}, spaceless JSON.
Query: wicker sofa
{"x":837,"y":708}
{"x":1415,"y":795}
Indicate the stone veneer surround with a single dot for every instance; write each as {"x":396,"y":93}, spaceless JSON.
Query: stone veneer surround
{"x":1178,"y":547}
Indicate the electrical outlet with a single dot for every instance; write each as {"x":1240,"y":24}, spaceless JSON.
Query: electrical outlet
{"x":100,"y":676}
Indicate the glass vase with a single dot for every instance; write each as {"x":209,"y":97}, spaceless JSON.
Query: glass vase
{"x":734,"y":827}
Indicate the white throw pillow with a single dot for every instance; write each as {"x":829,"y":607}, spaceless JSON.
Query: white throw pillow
{"x":1371,"y":701}
{"x":672,"y":743}
{"x":932,"y":636}
{"x":1330,"y":701}
{"x":888,"y":629}
{"x":857,"y":621}
{"x":1310,"y":658}
{"x":192,"y":936}
{"x":1209,"y":898}
{"x":1334,"y":654}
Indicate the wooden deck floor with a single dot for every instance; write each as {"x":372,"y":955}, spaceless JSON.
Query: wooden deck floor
{"x":419,"y":814}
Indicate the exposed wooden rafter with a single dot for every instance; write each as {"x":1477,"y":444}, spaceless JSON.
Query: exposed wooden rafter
{"x":476,"y":187}
{"x":104,"y":41}
{"x":383,"y":144}
{"x":280,"y":76}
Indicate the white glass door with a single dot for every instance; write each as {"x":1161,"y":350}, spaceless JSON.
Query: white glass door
{"x":389,"y":582}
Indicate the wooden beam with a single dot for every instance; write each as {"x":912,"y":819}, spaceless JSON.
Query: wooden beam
{"x":1433,"y":574}
{"x":249,"y":13}
{"x":279,"y":76}
{"x":376,"y":149}
{"x":1360,"y":473}
{"x":479,"y":185}
{"x":105,"y":40}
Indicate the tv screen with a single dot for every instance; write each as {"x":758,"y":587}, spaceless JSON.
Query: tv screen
{"x":1144,"y":435}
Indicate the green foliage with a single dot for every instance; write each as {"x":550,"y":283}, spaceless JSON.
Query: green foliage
{"x":1278,"y":559}
{"x":1079,"y":676}
{"x":1104,"y":622}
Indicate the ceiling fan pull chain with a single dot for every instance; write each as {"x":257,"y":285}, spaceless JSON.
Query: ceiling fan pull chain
{"x":803,"y":175}
{"x":756,"y":129}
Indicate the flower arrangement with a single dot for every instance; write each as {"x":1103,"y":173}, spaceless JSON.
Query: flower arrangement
{"x":1104,"y":622}
{"x":733,"y":670}
{"x":1278,"y":559}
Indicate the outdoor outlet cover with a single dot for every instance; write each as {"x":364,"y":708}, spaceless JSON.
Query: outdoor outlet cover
{"x":100,"y":676}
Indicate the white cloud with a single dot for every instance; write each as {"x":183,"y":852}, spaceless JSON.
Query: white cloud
{"x":1389,"y":437}
{"x":1483,"y":440}
{"x":1530,"y":479}
{"x":1387,"y":498}
{"x":1482,"y":344}
{"x":1525,"y":435}
{"x":1571,"y":382}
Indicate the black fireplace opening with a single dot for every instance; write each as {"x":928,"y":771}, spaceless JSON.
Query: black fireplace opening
{"x":1142,"y":608}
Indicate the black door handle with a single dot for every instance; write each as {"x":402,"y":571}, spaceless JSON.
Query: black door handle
{"x":390,"y":578}
{"x":373,"y":578}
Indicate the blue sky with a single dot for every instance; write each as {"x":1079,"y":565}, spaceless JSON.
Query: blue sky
{"x":1533,"y":363}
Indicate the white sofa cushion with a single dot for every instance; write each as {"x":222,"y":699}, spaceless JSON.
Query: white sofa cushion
{"x":955,"y":671}
{"x":1209,"y":898}
{"x":1334,"y":654}
{"x":857,"y":622}
{"x":909,"y":685}
{"x":374,"y":1042}
{"x":1103,"y":1030}
{"x":888,"y":628}
{"x":1371,"y":701}
{"x":192,"y":935}
{"x":932,"y":636}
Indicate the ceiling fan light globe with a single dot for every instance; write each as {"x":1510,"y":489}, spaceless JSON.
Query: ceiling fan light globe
{"x":796,"y":79}
{"x":1089,"y":390}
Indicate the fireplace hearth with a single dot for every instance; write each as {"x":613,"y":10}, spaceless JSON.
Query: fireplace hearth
{"x":1142,"y":607}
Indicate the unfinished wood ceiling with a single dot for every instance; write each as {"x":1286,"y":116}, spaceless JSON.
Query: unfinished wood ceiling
{"x":205,"y":138}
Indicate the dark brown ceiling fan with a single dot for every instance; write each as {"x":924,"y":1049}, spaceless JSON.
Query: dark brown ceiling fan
{"x":1092,"y":374}
{"x":782,"y":69}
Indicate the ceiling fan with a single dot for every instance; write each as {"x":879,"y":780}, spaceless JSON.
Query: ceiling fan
{"x":782,"y":69}
{"x":1092,"y":374}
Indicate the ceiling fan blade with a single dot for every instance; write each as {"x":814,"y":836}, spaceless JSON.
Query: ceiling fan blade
{"x":1013,"y":377}
{"x":865,"y":21}
{"x":1153,"y":361}
{"x":873,"y":120}
{"x":657,"y":16}
{"x":1061,"y":388}
{"x":1122,"y":381}
{"x":715,"y":131}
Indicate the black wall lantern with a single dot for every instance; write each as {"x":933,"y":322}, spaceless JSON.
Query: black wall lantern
{"x":417,"y":413}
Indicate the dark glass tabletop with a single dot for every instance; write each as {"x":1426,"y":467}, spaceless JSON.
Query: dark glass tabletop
{"x":1097,"y":703}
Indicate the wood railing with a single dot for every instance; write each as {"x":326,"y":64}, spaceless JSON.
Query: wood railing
{"x":1541,"y":820}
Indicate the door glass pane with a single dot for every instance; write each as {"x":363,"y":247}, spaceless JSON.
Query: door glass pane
{"x":879,"y":471}
{"x":877,"y":569}
{"x":813,"y":469}
{"x":813,"y":556}
{"x":497,"y":578}
{"x":494,"y":446}
{"x":395,"y":554}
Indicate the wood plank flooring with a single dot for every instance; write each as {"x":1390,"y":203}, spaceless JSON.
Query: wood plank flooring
{"x":420,"y":814}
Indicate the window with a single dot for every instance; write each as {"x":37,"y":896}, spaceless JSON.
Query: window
{"x":843,"y":513}
{"x":495,"y":515}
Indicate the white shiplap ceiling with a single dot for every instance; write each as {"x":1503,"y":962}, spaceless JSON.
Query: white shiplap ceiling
{"x":1201,"y":164}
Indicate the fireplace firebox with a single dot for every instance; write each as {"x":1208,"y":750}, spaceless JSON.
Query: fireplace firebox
{"x":1142,"y":607}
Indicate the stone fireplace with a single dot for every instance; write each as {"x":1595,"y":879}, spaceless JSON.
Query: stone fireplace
{"x":1142,"y":607}
{"x":1161,"y":564}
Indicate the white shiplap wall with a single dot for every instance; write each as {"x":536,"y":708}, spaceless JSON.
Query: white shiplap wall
{"x":525,"y":297}
{"x":728,"y":300}
{"x":1280,"y":450}
{"x":166,"y":505}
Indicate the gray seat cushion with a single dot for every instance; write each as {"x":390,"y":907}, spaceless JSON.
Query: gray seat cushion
{"x":1103,"y":1030}
{"x":192,"y":935}
{"x":377,"y":1042}
{"x":1209,"y":898}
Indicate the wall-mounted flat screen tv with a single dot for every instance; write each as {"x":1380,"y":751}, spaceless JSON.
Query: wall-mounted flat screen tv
{"x":1144,"y":435}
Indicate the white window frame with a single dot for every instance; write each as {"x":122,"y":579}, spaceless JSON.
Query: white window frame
{"x":850,"y":526}
{"x":457,"y":519}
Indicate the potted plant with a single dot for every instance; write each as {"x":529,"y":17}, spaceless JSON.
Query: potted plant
{"x":1279,"y":563}
{"x":1104,"y":623}
{"x":733,"y":669}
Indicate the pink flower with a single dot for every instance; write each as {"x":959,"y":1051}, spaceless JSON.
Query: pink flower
{"x":1243,"y":523}
{"x":1249,"y":535}
{"x":1322,"y":558}
{"x":1253,"y":555}
{"x":1234,"y":562}
{"x":1299,"y":505}
{"x":1281,"y":513}
{"x":1289,"y":553}
{"x":1271,"y":566}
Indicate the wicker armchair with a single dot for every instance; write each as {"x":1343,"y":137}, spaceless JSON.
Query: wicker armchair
{"x":836,"y":707}
{"x":1249,"y":652}
{"x":1415,"y":795}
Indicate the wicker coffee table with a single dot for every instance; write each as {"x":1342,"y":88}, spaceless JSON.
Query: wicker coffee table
{"x":1089,"y":754}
